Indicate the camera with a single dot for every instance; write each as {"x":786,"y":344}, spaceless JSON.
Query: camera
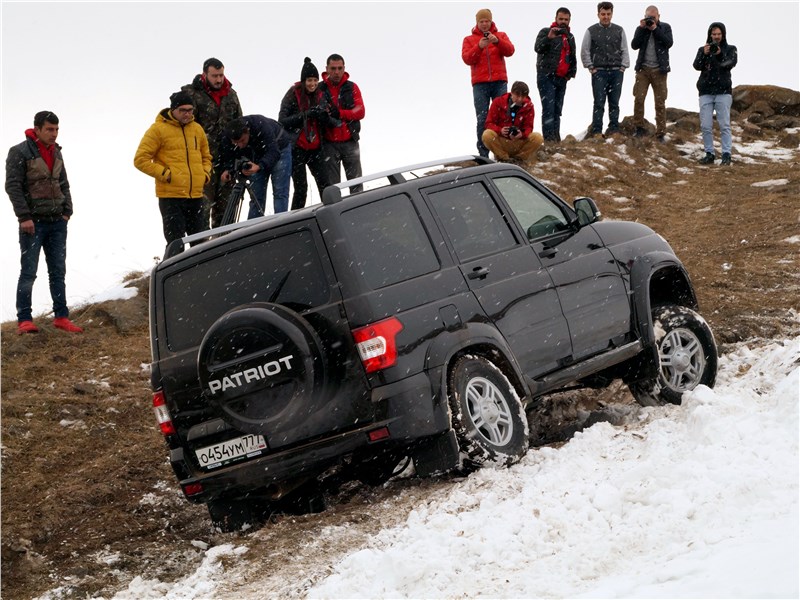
{"x":486,"y":34}
{"x":713,"y":47}
{"x":241,"y":164}
{"x":649,"y":21}
{"x":561,"y":30}
{"x":512,"y":131}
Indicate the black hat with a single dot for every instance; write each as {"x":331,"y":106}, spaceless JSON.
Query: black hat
{"x":308,"y":70}
{"x":179,"y":99}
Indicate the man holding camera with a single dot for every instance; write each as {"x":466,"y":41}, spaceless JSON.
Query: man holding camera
{"x":215,"y":105}
{"x":485,"y":51}
{"x":509,"y":126}
{"x":715,"y":61}
{"x":653,"y":39}
{"x":174,"y":151}
{"x":556,"y":64}
{"x":604,"y":51}
{"x":267,"y":148}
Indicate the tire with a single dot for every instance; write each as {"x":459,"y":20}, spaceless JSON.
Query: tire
{"x":487,"y":414}
{"x":687,"y":357}
{"x":262,"y":367}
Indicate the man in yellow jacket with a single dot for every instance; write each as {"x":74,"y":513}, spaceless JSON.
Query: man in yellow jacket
{"x":174,"y":151}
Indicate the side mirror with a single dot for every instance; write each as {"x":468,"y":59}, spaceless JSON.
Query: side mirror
{"x":587,"y":211}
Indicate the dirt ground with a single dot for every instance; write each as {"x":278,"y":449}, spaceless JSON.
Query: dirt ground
{"x":89,"y":500}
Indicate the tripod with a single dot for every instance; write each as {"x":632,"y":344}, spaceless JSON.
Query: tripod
{"x":234,"y":206}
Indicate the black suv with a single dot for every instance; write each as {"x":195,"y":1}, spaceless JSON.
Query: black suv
{"x":418,"y":319}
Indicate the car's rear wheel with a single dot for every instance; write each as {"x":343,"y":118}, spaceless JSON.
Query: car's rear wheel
{"x":687,"y":357}
{"x":487,"y":413}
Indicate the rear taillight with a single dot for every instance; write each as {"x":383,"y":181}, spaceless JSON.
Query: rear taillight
{"x":192,"y":489}
{"x":376,"y":344}
{"x":162,"y":413}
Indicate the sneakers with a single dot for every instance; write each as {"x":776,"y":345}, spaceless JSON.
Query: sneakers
{"x":726,"y":158}
{"x":65,"y":324}
{"x":708,"y":159}
{"x":26,"y":327}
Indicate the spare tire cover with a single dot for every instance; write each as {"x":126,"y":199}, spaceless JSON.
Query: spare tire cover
{"x":262,"y":366}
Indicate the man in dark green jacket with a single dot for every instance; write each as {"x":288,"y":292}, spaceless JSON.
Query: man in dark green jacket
{"x":215,"y":105}
{"x":36,"y":183}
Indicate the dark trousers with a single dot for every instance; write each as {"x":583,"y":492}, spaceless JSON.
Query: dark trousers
{"x":551,"y":90}
{"x":215,"y":199}
{"x":338,"y":154}
{"x":181,"y":216}
{"x":482,"y":96}
{"x":606,"y":84}
{"x":301,"y":158}
{"x":52,"y":238}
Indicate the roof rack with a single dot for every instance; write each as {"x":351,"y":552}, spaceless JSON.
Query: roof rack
{"x":175,"y":247}
{"x":333,"y":193}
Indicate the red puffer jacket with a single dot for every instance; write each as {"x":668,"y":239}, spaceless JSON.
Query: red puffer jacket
{"x":487,"y":64}
{"x":500,"y":115}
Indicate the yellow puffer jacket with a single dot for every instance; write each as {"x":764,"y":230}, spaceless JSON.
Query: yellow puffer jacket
{"x":176,"y":155}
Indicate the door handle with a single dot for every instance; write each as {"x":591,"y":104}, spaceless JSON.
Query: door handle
{"x":478,"y":273}
{"x":548,"y":252}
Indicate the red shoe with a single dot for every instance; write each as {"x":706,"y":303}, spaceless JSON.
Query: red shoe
{"x":27,"y":327}
{"x":67,"y":325}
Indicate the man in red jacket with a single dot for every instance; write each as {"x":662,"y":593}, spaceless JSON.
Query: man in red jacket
{"x":485,"y":51}
{"x":509,"y":126}
{"x":346,"y":109}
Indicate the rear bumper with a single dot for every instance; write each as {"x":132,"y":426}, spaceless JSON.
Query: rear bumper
{"x":408,"y":408}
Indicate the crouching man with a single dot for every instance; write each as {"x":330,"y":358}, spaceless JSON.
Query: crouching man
{"x":509,"y":126}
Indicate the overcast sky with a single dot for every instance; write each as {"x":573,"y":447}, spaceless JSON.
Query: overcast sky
{"x":106,"y":69}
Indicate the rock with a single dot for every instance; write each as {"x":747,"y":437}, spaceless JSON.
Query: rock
{"x":790,"y":140}
{"x":779,"y":122}
{"x":762,"y":107}
{"x":781,"y":100}
{"x":676,"y":114}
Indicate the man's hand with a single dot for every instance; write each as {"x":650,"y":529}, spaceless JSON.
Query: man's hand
{"x":225,"y":177}
{"x":251,"y":170}
{"x":27,"y":227}
{"x":553,"y":33}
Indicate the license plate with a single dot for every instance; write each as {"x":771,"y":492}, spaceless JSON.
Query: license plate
{"x":231,"y":450}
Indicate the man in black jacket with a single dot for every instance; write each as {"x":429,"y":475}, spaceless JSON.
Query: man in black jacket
{"x":653,"y":39}
{"x":267,"y":148}
{"x":36,"y":183}
{"x":715,"y":61}
{"x":556,"y":64}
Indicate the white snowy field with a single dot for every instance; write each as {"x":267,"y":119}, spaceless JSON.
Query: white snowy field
{"x":692,"y":501}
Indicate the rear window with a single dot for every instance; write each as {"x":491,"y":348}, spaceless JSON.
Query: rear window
{"x":285,"y":270}
{"x":389,"y":243}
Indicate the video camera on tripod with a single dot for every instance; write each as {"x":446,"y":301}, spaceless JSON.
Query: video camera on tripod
{"x":234,"y":206}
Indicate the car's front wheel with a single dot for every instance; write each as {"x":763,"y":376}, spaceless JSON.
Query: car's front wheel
{"x":487,"y":414}
{"x":687,"y":355}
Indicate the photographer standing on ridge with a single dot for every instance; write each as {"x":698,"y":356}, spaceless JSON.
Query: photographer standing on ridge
{"x":653,"y":39}
{"x":485,"y":51}
{"x":174,"y":151}
{"x":268,"y":147}
{"x":715,"y":61}
{"x":215,"y":105}
{"x":556,"y":64}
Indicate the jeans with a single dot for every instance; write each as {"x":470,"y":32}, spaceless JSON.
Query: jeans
{"x":645,"y":78}
{"x":606,"y":84}
{"x":301,"y":158}
{"x":281,"y":175}
{"x":52,"y":238}
{"x":551,"y":90}
{"x":482,"y":96}
{"x":721,"y":104}
{"x":337,"y":154}
{"x":181,"y":216}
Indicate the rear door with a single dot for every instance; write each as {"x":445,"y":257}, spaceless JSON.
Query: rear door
{"x":515,"y":291}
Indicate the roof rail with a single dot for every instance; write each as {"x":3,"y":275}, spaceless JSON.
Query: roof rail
{"x":175,"y":247}
{"x":333,"y":193}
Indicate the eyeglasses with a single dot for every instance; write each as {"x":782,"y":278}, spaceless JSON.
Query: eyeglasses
{"x":185,"y":110}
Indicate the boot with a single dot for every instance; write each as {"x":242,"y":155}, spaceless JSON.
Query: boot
{"x":707,"y":159}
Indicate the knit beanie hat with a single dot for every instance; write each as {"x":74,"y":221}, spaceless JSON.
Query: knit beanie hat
{"x":179,"y":99}
{"x":483,"y":13}
{"x":308,"y":70}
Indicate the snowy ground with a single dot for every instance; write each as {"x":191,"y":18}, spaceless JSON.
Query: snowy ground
{"x":697,"y":500}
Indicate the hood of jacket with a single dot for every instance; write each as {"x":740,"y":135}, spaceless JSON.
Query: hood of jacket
{"x":721,"y":27}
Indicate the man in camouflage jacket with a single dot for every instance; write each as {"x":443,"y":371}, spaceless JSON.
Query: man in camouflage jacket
{"x":215,"y":105}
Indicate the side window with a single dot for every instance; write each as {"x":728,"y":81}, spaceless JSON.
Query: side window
{"x":389,"y":242}
{"x":472,"y":221}
{"x":285,"y":270}
{"x":538,"y":215}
